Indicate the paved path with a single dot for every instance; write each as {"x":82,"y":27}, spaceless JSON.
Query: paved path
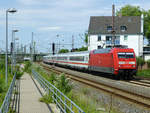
{"x":30,"y":92}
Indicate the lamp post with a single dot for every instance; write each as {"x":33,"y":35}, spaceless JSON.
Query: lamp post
{"x":13,"y":49}
{"x":6,"y":53}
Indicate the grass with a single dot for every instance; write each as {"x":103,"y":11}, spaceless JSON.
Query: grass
{"x":81,"y":97}
{"x":46,"y":99}
{"x":144,"y":73}
{"x":89,"y":103}
{"x":3,"y":86}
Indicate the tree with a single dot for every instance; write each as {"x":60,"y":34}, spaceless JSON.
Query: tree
{"x":80,"y":49}
{"x":63,"y":51}
{"x":147,"y":24}
{"x":86,"y":38}
{"x":130,"y":10}
{"x":140,"y":61}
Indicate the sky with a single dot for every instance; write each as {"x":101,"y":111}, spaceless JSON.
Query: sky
{"x":55,"y":20}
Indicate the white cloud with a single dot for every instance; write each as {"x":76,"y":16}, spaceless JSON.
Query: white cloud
{"x":54,"y":28}
{"x":31,"y":2}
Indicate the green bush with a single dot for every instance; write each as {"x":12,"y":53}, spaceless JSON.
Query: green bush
{"x":144,"y":73}
{"x":52,"y":78}
{"x":46,"y":99}
{"x":140,"y":61}
{"x":2,"y":85}
{"x":2,"y":64}
{"x":63,"y":84}
{"x":27,"y":67}
{"x":19,"y":74}
{"x":63,"y":51}
{"x":148,"y":63}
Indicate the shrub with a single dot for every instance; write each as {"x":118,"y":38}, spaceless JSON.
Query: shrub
{"x":52,"y":78}
{"x":148,"y":63}
{"x":2,"y":85}
{"x":63,"y":84}
{"x":19,"y":74}
{"x":140,"y":61}
{"x":2,"y":64}
{"x":46,"y":99}
{"x":27,"y":67}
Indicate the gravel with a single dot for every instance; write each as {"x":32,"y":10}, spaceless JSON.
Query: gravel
{"x":111,"y":101}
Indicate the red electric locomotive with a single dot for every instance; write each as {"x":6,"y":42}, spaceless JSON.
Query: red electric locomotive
{"x":118,"y":61}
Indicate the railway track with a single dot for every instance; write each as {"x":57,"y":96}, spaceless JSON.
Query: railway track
{"x":141,"y":100}
{"x":140,"y":83}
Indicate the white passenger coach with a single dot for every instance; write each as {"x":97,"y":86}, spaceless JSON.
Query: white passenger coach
{"x":74,"y":59}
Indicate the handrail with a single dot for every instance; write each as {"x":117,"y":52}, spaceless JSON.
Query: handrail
{"x":63,"y":102}
{"x":5,"y":106}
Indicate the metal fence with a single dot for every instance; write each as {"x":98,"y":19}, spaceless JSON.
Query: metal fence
{"x":64,"y":103}
{"x":5,"y":106}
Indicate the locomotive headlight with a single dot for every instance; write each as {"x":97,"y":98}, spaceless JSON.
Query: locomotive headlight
{"x":121,"y":62}
{"x":131,"y":62}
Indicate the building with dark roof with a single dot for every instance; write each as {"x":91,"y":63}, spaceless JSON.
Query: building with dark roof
{"x":128,"y":31}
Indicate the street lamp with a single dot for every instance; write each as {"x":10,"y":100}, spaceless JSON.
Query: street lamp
{"x":16,"y":50}
{"x":13,"y":49}
{"x":6,"y":53}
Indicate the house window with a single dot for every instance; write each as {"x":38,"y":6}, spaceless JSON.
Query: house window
{"x":108,"y":39}
{"x":99,"y":47}
{"x":117,"y":40}
{"x":125,"y":37}
{"x":99,"y":37}
{"x":123,"y":28}
{"x":109,"y":28}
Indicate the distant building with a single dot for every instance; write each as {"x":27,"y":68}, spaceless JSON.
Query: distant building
{"x":128,"y":31}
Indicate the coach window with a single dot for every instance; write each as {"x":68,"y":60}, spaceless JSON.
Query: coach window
{"x":99,"y":37}
{"x":77,"y":58}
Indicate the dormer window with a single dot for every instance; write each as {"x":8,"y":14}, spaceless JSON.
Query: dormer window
{"x":123,"y":28}
{"x":109,"y":28}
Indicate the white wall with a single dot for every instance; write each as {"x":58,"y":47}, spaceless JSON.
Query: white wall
{"x":146,"y":57}
{"x":133,"y":41}
{"x":93,"y":42}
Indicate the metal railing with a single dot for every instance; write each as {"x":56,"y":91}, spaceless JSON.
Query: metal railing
{"x":63,"y":102}
{"x":5,"y":106}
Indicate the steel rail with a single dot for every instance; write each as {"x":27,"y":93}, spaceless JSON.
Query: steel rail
{"x":59,"y":98}
{"x":139,"y":99}
{"x":5,"y":106}
{"x":140,"y":83}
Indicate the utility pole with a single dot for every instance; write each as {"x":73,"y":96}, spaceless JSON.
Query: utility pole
{"x":72,"y":42}
{"x":12,"y":53}
{"x":32,"y":48}
{"x":58,"y":45}
{"x":25,"y":49}
{"x":113,"y":25}
{"x":21,"y":49}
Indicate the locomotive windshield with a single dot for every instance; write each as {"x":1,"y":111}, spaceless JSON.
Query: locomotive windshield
{"x":125,"y":55}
